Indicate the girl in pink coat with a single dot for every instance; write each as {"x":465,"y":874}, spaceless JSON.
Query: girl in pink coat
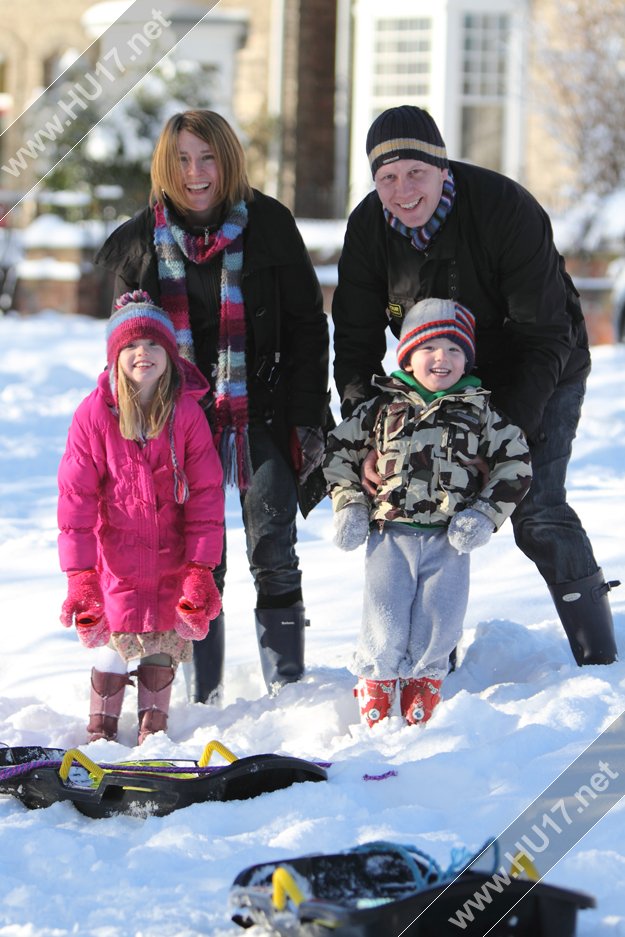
{"x":140,"y":512}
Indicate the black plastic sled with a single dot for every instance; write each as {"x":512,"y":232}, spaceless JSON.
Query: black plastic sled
{"x":384,"y":890}
{"x":40,"y":777}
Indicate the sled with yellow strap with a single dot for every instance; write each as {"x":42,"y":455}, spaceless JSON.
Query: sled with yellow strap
{"x":381,"y":889}
{"x":40,"y":777}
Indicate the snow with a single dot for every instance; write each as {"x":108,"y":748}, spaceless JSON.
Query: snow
{"x":49,"y":230}
{"x":592,"y":224}
{"x":47,"y":268}
{"x":515,"y":714}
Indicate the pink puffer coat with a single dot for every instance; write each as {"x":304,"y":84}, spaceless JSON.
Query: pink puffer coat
{"x":117,"y":511}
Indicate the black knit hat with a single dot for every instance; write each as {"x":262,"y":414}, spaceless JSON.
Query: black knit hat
{"x":405,"y":132}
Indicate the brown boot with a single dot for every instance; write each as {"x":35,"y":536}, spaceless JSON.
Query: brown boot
{"x":107,"y":696}
{"x":154,"y":693}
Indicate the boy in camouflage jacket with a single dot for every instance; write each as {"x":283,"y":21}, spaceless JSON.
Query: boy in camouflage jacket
{"x":451,"y":470}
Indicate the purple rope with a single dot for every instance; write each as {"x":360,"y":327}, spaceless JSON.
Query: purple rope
{"x":25,"y":768}
{"x":380,"y":777}
{"x":12,"y":771}
{"x":16,"y":770}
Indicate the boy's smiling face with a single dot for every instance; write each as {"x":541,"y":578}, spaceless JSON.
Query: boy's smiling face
{"x":437,"y":364}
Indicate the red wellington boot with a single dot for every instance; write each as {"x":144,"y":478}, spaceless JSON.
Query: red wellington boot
{"x":375,"y":698}
{"x":418,"y":699}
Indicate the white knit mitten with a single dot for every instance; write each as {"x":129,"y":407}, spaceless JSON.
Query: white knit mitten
{"x":468,"y":530}
{"x":351,"y":525}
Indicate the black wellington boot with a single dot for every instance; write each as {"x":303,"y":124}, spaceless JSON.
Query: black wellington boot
{"x":280,"y":633}
{"x":205,"y":674}
{"x":586,"y":617}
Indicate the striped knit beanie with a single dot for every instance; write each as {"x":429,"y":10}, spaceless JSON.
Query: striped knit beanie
{"x":135,"y":316}
{"x":405,"y":132}
{"x":437,"y":318}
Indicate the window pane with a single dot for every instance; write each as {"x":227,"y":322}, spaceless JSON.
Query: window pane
{"x":485,"y":43}
{"x":484,"y":87}
{"x":482,"y":135}
{"x":401,"y":60}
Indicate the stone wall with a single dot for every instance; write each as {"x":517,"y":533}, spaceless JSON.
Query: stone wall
{"x":56,"y":270}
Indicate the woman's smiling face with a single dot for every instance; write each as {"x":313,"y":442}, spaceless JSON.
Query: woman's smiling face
{"x":200,"y":174}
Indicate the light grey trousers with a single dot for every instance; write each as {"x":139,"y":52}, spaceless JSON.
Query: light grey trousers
{"x":415,"y":600}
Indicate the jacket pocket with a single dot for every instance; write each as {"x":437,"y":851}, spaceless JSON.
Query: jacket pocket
{"x":460,"y":470}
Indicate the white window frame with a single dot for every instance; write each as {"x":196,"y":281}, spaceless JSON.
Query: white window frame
{"x":444,"y":100}
{"x":514,"y":104}
{"x":367,"y":13}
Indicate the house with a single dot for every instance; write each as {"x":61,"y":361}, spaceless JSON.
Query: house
{"x":301,"y":81}
{"x":270,"y":65}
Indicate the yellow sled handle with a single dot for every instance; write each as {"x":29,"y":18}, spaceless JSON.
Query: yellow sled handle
{"x":284,"y":887}
{"x":74,"y":754}
{"x":522,"y":860}
{"x":215,"y":746}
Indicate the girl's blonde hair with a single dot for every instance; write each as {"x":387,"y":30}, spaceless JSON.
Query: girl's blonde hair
{"x":166,"y":173}
{"x":136,"y":424}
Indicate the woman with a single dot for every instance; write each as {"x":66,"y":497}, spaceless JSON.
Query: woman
{"x":230,"y":267}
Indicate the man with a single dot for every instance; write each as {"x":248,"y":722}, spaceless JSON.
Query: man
{"x":435,"y":228}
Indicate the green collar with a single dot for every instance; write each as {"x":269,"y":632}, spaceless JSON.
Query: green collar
{"x":469,"y":380}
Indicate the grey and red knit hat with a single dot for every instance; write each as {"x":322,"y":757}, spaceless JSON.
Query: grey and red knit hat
{"x":405,"y":132}
{"x":135,"y":316}
{"x":437,"y":318}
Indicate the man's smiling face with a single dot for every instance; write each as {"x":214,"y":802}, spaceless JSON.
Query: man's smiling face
{"x":410,"y":190}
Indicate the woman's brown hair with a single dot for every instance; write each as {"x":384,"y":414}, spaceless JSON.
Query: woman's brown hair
{"x":229,"y":155}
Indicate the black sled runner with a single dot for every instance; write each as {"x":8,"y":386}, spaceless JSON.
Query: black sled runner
{"x":40,"y":777}
{"x":384,"y":889}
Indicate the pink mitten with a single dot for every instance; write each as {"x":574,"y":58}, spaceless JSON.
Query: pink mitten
{"x":199,"y":604}
{"x":84,"y":597}
{"x":192,"y":624}
{"x":92,"y":632}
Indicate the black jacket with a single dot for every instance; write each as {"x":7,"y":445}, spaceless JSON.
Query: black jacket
{"x":494,"y":254}
{"x":287,"y":330}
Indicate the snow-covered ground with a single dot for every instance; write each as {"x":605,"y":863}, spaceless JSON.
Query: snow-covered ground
{"x":515,"y":714}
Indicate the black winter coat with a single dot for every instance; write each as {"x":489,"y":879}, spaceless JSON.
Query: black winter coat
{"x":494,"y":254}
{"x":287,"y":330}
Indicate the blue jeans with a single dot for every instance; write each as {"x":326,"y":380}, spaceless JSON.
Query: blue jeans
{"x":546,"y":528}
{"x":269,"y":508}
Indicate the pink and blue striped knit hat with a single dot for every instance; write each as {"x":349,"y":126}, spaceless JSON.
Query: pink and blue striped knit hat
{"x":437,"y":318}
{"x":136,"y":315}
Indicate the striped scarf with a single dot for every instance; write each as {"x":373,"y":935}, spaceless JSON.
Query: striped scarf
{"x":229,"y":411}
{"x":420,"y":238}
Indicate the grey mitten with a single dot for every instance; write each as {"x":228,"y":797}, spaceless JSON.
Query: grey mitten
{"x":351,"y":525}
{"x":468,"y":530}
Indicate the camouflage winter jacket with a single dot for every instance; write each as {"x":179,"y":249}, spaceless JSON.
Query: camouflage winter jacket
{"x":425,"y":450}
